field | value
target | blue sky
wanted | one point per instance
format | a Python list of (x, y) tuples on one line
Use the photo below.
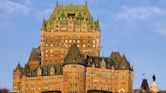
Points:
[(136, 28)]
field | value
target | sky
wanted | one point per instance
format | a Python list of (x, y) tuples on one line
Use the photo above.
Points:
[(136, 28)]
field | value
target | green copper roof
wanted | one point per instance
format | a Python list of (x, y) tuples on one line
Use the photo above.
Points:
[(69, 10), (77, 13)]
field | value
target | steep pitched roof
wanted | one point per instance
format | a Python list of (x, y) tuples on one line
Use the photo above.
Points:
[(35, 54), (145, 86), (115, 56), (81, 11), (19, 68), (78, 13), (124, 64), (74, 56)]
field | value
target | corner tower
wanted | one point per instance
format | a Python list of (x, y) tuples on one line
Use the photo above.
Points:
[(69, 24)]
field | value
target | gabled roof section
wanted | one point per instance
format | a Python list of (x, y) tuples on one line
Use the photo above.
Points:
[(74, 56), (35, 54)]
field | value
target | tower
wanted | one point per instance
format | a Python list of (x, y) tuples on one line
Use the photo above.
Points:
[(67, 25), (17, 76), (74, 71), (154, 85), (145, 87)]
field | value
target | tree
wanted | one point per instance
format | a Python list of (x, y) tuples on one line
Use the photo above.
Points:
[(4, 90)]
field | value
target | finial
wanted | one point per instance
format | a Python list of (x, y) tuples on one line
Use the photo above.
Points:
[(18, 66), (132, 67), (98, 20), (154, 78), (102, 51), (86, 2), (143, 75), (57, 2), (18, 63)]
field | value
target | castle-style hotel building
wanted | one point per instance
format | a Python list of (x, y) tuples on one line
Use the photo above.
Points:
[(68, 60)]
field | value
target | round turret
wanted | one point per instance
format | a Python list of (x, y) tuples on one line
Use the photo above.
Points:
[(74, 71)]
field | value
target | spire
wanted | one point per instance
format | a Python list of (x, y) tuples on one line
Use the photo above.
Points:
[(44, 24), (18, 65), (145, 86)]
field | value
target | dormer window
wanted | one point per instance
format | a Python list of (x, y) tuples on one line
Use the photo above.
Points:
[(93, 65), (103, 64), (112, 67), (74, 60), (71, 15), (39, 72), (89, 63), (52, 71)]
